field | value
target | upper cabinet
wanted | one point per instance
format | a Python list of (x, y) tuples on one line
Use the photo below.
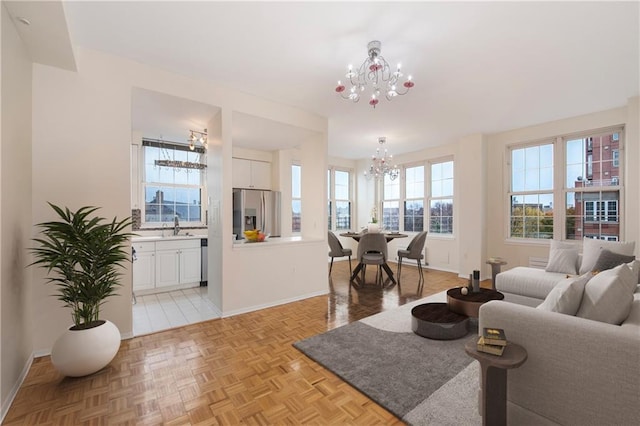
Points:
[(251, 174)]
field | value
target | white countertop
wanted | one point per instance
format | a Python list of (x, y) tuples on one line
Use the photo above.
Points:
[(152, 238), (273, 241)]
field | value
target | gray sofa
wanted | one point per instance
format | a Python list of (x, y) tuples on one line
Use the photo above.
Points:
[(578, 371)]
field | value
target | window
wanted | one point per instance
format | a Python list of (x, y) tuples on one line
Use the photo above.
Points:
[(339, 185), (441, 199), (296, 197), (590, 193), (171, 191), (391, 204), (531, 195), (592, 200), (414, 199)]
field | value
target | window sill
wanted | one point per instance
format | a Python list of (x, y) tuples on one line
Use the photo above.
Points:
[(432, 236), (528, 241)]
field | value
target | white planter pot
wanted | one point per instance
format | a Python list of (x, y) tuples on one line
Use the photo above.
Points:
[(82, 352), (373, 227)]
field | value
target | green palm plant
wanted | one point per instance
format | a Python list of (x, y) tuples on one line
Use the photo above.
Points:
[(86, 254)]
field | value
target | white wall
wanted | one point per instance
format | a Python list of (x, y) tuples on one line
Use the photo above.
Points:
[(15, 213), (518, 253), (82, 137)]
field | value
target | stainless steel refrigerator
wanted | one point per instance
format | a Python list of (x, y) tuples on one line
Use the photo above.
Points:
[(256, 209)]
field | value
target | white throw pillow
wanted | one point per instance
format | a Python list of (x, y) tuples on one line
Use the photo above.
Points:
[(591, 251), (566, 296), (563, 258), (608, 295)]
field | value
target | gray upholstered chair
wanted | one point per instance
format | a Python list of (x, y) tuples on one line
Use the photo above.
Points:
[(414, 251), (372, 250), (336, 250)]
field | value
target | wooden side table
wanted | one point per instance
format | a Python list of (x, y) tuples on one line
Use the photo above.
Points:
[(496, 266), (494, 379)]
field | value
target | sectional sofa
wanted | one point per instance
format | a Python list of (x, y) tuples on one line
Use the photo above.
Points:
[(582, 335)]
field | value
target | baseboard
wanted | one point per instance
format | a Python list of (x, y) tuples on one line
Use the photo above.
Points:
[(6, 404), (272, 304)]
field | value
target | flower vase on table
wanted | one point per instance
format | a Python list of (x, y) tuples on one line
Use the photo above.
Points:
[(373, 227)]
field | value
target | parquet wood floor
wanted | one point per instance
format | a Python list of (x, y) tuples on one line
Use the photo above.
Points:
[(237, 370)]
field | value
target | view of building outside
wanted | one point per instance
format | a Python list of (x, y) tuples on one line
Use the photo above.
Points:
[(296, 197), (593, 181)]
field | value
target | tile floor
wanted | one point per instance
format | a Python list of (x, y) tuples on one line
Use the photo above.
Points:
[(162, 311)]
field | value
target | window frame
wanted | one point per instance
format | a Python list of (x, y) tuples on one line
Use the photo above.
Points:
[(332, 200), (143, 183), (429, 197), (560, 190), (404, 199), (293, 199)]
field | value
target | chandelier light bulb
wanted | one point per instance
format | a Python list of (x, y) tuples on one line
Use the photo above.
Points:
[(192, 147), (376, 75)]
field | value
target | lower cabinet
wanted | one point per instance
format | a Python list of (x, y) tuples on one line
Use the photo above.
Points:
[(171, 265)]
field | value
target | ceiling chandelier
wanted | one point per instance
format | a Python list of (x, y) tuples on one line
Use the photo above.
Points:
[(381, 164), (374, 71), (197, 136)]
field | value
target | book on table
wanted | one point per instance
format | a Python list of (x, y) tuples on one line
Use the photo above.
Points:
[(494, 336), (482, 346)]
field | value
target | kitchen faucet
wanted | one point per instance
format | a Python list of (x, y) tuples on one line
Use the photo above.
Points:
[(176, 225)]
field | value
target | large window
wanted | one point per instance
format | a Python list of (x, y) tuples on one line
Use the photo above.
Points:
[(296, 197), (339, 195), (531, 195), (171, 191), (593, 186), (441, 199), (414, 199), (590, 188), (390, 204)]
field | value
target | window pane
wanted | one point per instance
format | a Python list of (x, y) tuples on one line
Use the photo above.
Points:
[(532, 168), (441, 216), (593, 215), (391, 215), (296, 213), (329, 215), (532, 216), (414, 182), (342, 185), (343, 215), (593, 161), (296, 181), (414, 215), (391, 188)]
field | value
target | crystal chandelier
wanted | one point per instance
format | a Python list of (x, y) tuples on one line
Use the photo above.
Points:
[(197, 136), (381, 164), (374, 71)]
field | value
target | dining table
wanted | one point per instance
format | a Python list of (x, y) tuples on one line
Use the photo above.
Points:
[(390, 235)]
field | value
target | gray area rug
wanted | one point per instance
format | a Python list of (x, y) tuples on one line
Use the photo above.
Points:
[(421, 381)]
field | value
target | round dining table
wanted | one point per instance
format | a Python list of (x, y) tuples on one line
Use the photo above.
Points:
[(388, 236)]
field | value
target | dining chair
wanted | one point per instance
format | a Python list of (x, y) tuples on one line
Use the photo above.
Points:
[(336, 250), (414, 251), (372, 250)]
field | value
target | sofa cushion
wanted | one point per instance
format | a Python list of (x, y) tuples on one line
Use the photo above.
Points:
[(591, 251), (609, 260), (608, 295), (530, 282), (563, 258), (566, 296)]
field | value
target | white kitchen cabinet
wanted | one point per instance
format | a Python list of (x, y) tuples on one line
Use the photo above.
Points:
[(177, 262), (144, 266), (166, 265), (251, 174)]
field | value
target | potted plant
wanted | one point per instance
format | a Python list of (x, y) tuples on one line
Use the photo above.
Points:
[(373, 225), (83, 255)]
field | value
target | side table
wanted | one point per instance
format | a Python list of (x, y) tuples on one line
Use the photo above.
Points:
[(496, 266), (494, 379)]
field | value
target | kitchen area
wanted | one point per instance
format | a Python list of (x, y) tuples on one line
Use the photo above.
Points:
[(192, 261)]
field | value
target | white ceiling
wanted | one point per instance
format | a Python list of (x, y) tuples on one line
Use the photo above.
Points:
[(478, 66)]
